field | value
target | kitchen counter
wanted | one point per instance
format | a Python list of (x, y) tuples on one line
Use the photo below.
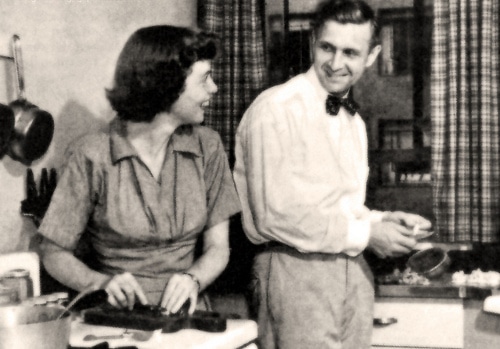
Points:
[(461, 260), (239, 334), (442, 288)]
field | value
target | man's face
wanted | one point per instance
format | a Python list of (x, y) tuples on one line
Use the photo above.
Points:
[(199, 87), (341, 55)]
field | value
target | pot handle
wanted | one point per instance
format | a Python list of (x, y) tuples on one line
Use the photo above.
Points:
[(18, 62), (384, 321)]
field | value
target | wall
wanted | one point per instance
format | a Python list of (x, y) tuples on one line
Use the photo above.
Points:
[(69, 50)]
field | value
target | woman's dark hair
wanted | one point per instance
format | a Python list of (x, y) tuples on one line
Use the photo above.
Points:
[(152, 69), (344, 12)]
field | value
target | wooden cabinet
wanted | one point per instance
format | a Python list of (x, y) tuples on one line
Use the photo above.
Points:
[(387, 192), (422, 323), (400, 160), (433, 323), (409, 198)]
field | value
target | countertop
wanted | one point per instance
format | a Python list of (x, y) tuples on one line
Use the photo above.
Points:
[(463, 258), (441, 288), (238, 334)]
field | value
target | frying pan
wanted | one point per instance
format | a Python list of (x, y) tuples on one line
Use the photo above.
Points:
[(431, 263), (33, 127)]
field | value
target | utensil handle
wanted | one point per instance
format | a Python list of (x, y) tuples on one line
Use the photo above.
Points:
[(18, 62), (91, 337), (384, 321), (87, 292)]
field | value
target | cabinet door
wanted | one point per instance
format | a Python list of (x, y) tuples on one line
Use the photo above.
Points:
[(422, 323)]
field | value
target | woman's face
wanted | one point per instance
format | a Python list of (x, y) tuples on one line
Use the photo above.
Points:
[(198, 89)]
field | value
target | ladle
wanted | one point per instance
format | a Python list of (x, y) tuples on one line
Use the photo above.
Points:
[(88, 298), (140, 336)]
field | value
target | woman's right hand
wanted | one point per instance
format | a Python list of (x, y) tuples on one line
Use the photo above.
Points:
[(123, 291)]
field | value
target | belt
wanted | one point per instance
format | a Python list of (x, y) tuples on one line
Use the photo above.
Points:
[(276, 246), (273, 246)]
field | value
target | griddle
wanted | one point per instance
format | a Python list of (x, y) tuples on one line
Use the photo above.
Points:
[(151, 318)]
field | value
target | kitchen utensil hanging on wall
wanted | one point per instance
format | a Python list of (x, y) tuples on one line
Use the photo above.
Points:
[(34, 127), (37, 200), (6, 128)]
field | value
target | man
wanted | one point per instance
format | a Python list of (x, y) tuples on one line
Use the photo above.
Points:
[(301, 175)]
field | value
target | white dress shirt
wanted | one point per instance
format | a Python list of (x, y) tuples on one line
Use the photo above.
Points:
[(301, 173)]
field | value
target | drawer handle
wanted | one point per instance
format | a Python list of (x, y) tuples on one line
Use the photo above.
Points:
[(384, 321)]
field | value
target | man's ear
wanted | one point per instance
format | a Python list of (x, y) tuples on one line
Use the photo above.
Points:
[(372, 56), (313, 39)]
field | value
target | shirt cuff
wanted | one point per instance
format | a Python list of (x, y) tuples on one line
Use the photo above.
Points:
[(358, 234), (376, 216)]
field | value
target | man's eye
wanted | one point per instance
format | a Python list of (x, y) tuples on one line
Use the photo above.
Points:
[(326, 47), (351, 53)]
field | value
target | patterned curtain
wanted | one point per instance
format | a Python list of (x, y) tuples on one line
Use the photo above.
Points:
[(465, 120), (240, 72)]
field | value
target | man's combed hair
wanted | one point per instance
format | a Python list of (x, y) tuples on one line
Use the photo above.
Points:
[(152, 69), (344, 12)]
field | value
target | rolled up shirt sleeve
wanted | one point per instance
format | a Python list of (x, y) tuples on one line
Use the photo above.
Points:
[(287, 194)]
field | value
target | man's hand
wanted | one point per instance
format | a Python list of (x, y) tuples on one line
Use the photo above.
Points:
[(123, 290), (179, 289), (389, 239), (408, 220)]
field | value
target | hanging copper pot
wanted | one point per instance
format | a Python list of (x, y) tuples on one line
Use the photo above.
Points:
[(34, 127)]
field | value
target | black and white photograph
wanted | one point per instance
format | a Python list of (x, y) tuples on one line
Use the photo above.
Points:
[(249, 174)]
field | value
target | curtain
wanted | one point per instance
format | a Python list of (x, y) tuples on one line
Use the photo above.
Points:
[(465, 120), (240, 72)]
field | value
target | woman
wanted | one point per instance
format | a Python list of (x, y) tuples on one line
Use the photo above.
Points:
[(147, 189)]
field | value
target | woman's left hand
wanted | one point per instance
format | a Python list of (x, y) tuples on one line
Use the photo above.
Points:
[(179, 289)]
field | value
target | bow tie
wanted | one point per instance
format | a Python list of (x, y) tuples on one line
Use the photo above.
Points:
[(333, 105)]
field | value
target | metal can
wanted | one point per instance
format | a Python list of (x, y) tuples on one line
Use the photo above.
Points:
[(8, 295), (20, 280)]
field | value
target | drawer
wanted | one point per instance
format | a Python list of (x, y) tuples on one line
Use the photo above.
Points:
[(422, 322)]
